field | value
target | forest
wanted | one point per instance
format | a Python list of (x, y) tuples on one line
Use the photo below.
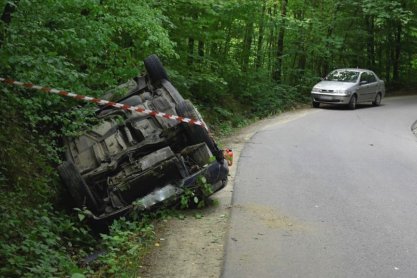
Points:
[(237, 60)]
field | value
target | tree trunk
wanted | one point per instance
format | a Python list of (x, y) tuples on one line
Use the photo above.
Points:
[(272, 11), (228, 39), (280, 43), (247, 43), (370, 26), (300, 56), (190, 59), (200, 50), (397, 55), (325, 62), (379, 51), (388, 60), (258, 61), (6, 17)]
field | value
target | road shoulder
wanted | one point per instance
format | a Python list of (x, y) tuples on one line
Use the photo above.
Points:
[(194, 246)]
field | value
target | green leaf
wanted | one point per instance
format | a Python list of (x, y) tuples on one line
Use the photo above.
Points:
[(77, 275), (203, 179), (81, 216)]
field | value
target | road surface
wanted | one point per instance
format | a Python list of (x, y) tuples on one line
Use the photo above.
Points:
[(332, 193)]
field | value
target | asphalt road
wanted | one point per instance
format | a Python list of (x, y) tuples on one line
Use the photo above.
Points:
[(332, 193)]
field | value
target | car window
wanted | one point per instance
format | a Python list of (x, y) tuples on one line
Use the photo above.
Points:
[(364, 77), (343, 76), (371, 77)]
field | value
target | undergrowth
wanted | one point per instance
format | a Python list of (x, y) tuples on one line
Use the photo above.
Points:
[(39, 236)]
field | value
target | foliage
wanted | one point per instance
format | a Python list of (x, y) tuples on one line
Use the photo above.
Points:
[(124, 247), (38, 242), (197, 196), (82, 46)]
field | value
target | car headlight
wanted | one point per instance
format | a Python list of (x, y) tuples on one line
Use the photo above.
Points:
[(342, 92), (315, 90)]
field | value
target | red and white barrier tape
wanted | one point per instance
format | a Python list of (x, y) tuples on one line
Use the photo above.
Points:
[(104, 102)]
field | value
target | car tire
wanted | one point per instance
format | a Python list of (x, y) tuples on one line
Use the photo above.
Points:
[(377, 100), (197, 134), (76, 186), (315, 104), (155, 69), (176, 96), (352, 103)]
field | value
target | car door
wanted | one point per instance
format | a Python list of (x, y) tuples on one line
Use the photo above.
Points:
[(363, 88), (373, 86)]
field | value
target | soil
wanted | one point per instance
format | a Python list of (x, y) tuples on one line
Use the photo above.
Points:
[(194, 246)]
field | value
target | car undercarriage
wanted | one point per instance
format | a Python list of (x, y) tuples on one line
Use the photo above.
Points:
[(135, 161)]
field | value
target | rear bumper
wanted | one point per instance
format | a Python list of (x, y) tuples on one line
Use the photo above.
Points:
[(330, 99)]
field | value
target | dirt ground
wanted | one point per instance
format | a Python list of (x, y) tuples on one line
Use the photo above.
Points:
[(194, 246)]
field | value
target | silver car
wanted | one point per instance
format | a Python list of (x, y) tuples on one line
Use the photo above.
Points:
[(349, 87)]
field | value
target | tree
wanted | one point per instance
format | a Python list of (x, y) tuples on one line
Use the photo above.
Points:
[(280, 42)]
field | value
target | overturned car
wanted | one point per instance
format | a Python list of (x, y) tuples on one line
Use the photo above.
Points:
[(135, 161)]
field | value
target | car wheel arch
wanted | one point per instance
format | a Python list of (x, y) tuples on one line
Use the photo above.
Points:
[(352, 104), (378, 99)]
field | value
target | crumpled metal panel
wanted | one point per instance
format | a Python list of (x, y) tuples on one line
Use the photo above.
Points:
[(158, 195), (141, 165)]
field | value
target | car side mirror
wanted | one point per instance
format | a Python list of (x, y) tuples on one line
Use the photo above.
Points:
[(363, 82)]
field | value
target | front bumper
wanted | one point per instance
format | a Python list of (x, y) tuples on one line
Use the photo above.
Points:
[(330, 99)]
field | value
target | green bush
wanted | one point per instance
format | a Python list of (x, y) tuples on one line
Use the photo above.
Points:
[(40, 242), (124, 246)]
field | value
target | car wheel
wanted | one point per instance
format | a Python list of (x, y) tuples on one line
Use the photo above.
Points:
[(155, 69), (315, 104), (176, 96), (352, 103), (76, 186), (377, 100), (197, 134)]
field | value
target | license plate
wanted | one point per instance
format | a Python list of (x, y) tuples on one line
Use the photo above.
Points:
[(326, 98)]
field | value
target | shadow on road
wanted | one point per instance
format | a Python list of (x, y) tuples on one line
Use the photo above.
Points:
[(346, 108)]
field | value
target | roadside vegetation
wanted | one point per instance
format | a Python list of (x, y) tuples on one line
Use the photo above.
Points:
[(237, 60)]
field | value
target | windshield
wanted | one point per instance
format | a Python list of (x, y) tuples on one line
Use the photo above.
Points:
[(343, 76)]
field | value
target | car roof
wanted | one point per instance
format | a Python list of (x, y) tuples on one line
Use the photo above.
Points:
[(354, 69)]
